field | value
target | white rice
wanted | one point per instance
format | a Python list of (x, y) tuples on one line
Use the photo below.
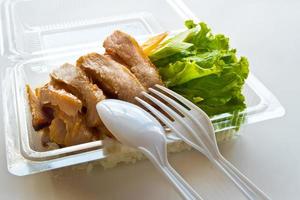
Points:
[(118, 153)]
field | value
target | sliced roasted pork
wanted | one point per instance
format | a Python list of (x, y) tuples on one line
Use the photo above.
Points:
[(69, 130), (123, 46), (67, 102), (40, 118), (57, 131), (78, 83), (114, 78), (78, 132)]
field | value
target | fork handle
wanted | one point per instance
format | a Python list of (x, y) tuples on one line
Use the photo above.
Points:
[(251, 191), (182, 187)]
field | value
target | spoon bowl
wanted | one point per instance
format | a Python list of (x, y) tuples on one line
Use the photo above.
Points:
[(130, 124)]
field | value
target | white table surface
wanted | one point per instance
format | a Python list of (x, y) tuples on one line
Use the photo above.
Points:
[(268, 33)]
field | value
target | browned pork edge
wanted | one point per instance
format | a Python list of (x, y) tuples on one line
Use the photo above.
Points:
[(40, 118), (66, 102), (79, 84), (114, 78), (122, 46)]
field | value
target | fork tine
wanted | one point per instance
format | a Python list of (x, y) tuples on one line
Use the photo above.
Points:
[(172, 102), (180, 98), (164, 107), (184, 110), (169, 123), (180, 107), (155, 112), (177, 118)]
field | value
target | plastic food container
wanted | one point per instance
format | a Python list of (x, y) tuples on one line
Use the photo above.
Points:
[(39, 35)]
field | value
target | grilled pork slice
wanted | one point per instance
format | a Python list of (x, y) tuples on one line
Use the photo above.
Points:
[(57, 131), (114, 78), (77, 132), (67, 102), (78, 83), (45, 138), (40, 118), (67, 131), (122, 45), (115, 58)]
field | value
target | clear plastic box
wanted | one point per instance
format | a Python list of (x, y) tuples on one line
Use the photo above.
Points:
[(39, 35)]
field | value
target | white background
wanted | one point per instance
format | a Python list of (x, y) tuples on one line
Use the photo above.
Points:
[(268, 33)]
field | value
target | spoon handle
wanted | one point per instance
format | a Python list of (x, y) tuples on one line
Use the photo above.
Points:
[(184, 189), (245, 185)]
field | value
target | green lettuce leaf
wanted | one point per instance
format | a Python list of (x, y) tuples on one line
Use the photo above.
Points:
[(203, 68)]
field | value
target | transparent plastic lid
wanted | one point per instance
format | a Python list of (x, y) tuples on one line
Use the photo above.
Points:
[(39, 35), (35, 26)]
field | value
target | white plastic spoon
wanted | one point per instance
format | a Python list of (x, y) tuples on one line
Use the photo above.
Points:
[(134, 127)]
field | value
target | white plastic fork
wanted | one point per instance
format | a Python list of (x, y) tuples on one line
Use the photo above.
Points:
[(195, 128)]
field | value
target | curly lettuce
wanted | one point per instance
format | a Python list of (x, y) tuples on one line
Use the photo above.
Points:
[(203, 68)]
